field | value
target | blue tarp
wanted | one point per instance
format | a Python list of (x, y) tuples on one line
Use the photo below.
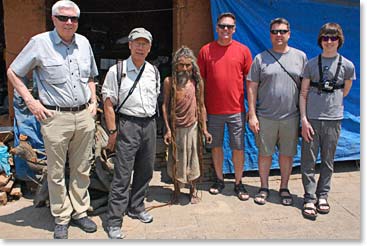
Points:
[(306, 18), (25, 123)]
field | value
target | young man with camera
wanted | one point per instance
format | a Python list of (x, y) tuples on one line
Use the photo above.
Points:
[(327, 79)]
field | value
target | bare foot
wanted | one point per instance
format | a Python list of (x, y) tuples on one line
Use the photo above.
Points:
[(176, 193), (194, 199)]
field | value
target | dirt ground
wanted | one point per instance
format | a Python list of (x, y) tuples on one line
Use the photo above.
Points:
[(216, 217)]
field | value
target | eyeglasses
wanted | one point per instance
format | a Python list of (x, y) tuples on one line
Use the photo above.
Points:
[(140, 44), (63, 18), (275, 32), (222, 26), (332, 38)]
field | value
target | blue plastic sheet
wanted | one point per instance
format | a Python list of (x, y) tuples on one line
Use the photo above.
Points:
[(4, 160), (25, 123), (306, 18)]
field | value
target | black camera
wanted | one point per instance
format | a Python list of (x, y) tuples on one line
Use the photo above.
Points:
[(328, 86)]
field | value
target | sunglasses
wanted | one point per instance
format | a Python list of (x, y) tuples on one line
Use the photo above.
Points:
[(278, 31), (332, 38), (222, 26), (63, 18)]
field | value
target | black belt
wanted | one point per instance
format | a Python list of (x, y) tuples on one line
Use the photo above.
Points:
[(67, 109), (134, 118)]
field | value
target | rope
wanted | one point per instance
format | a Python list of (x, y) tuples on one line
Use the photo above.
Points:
[(173, 134)]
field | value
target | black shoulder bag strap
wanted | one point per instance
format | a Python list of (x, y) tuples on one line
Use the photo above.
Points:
[(285, 70), (132, 88), (119, 75), (156, 89)]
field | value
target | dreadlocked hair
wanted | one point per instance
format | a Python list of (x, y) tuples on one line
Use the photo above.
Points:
[(199, 84)]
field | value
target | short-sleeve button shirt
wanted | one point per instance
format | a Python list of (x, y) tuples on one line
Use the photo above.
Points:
[(142, 102), (61, 71)]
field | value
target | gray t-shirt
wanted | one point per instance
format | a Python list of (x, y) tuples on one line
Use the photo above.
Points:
[(277, 96), (327, 106)]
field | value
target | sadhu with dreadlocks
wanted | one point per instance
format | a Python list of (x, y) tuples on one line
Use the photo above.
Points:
[(184, 115)]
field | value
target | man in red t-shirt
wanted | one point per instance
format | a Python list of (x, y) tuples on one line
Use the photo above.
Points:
[(224, 64)]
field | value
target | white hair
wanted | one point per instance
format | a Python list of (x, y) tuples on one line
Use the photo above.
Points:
[(64, 4)]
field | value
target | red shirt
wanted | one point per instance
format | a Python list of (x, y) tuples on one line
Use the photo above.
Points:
[(224, 70)]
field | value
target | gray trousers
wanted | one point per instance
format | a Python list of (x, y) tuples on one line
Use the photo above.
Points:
[(326, 137), (135, 151)]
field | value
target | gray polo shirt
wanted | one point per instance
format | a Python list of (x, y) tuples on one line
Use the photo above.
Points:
[(61, 71), (143, 101), (327, 106), (278, 94)]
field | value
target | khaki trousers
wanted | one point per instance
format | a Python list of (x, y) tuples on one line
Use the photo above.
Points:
[(68, 136)]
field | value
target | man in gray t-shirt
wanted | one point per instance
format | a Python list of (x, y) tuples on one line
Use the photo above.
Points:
[(273, 89)]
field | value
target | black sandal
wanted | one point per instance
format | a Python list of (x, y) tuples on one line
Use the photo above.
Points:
[(323, 203), (261, 196), (217, 187), (241, 191), (308, 215), (285, 198)]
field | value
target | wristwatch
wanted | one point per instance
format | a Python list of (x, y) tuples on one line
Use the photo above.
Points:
[(110, 132)]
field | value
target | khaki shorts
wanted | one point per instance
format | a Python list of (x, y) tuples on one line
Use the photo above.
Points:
[(280, 133)]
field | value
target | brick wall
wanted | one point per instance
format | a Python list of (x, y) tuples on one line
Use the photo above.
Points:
[(191, 24), (22, 20)]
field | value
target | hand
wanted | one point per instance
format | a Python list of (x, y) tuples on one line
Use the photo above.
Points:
[(92, 108), (254, 124), (111, 142), (208, 137), (307, 131), (38, 110), (167, 137)]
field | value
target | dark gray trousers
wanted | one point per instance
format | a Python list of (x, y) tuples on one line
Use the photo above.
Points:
[(326, 137), (135, 151)]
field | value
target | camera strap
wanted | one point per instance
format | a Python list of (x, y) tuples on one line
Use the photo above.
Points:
[(334, 80), (131, 89), (285, 70)]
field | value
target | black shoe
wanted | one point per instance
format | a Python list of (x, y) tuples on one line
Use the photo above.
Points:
[(61, 231), (142, 216), (85, 224)]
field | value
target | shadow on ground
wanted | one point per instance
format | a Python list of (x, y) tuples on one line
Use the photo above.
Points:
[(40, 218)]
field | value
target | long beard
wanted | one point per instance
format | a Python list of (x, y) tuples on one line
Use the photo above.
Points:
[(183, 77)]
